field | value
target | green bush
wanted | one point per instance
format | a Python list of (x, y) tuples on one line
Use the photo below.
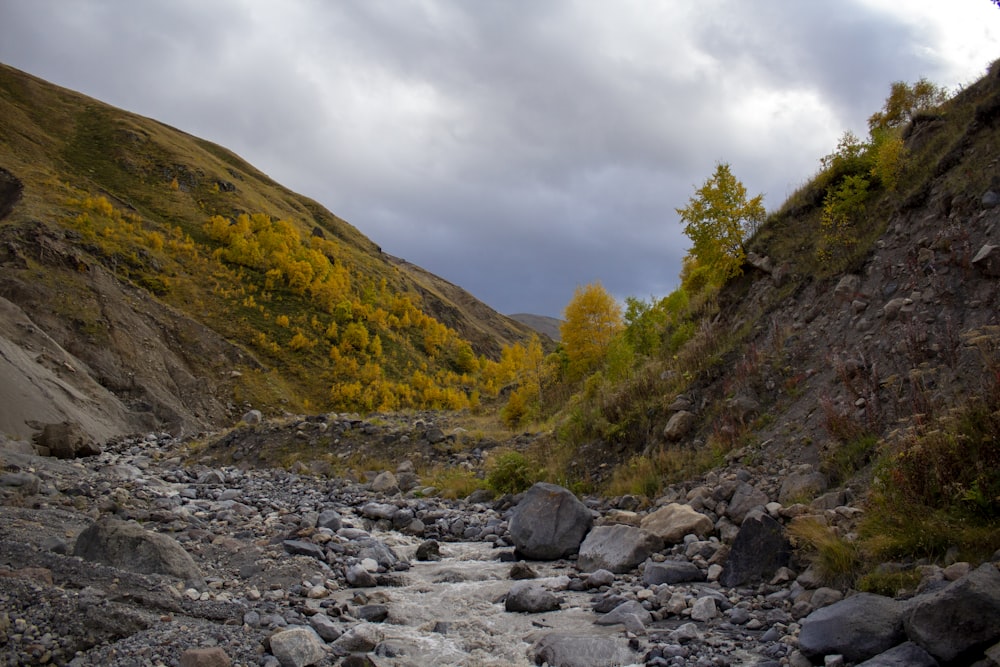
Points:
[(509, 472)]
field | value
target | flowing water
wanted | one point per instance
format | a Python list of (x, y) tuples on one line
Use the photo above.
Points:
[(451, 611)]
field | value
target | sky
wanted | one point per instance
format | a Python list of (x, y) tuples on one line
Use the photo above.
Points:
[(517, 148)]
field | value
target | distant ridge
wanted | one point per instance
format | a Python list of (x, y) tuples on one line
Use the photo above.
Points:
[(543, 324)]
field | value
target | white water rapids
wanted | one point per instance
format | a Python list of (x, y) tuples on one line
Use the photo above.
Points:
[(451, 611)]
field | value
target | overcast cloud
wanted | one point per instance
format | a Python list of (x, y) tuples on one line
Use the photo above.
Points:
[(518, 148)]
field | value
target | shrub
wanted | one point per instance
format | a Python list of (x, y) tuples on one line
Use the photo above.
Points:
[(835, 559), (509, 472)]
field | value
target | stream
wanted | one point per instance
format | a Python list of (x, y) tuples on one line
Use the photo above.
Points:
[(451, 611)]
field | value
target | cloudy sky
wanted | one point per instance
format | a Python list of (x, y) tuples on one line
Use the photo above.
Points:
[(518, 148)]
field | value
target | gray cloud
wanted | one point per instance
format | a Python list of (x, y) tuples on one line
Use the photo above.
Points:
[(516, 148)]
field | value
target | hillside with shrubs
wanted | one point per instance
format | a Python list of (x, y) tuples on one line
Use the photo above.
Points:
[(854, 330)]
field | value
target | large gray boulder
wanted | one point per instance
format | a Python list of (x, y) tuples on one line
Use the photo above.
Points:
[(128, 546), (906, 654), (759, 550), (745, 498), (672, 522), (617, 548), (549, 523), (859, 627), (531, 597), (297, 647), (671, 572), (560, 649), (958, 622)]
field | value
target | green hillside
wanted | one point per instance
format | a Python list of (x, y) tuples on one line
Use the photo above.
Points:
[(317, 316)]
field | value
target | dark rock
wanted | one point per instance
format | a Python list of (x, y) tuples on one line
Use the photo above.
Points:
[(325, 627), (358, 577), (627, 614), (671, 572), (859, 627), (330, 519), (559, 649), (906, 654), (549, 523), (303, 548), (745, 498), (373, 613), (679, 425), (434, 436), (530, 597), (759, 550), (606, 604), (617, 548), (428, 550), (521, 570), (961, 620), (128, 546)]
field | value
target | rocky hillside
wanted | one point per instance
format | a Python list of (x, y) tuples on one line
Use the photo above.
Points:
[(125, 310), (804, 354)]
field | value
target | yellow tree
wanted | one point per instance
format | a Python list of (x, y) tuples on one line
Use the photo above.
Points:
[(718, 219), (592, 320)]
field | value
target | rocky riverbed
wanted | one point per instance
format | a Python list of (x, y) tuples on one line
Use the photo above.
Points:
[(134, 557)]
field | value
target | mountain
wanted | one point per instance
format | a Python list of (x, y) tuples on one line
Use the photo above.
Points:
[(154, 280), (544, 325)]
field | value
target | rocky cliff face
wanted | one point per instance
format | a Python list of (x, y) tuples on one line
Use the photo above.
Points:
[(910, 328)]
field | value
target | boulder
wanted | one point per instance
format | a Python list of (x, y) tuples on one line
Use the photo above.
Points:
[(428, 550), (22, 484), (671, 572), (801, 487), (360, 638), (758, 552), (66, 440), (128, 546), (847, 288), (303, 548), (617, 548), (253, 417), (212, 656), (330, 519), (358, 577), (531, 597), (385, 482), (859, 627), (704, 609), (297, 647), (549, 523), (746, 497), (325, 627), (906, 654), (679, 425), (630, 613), (672, 522), (958, 622), (560, 649)]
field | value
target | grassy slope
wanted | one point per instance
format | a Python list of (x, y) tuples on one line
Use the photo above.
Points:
[(65, 147)]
